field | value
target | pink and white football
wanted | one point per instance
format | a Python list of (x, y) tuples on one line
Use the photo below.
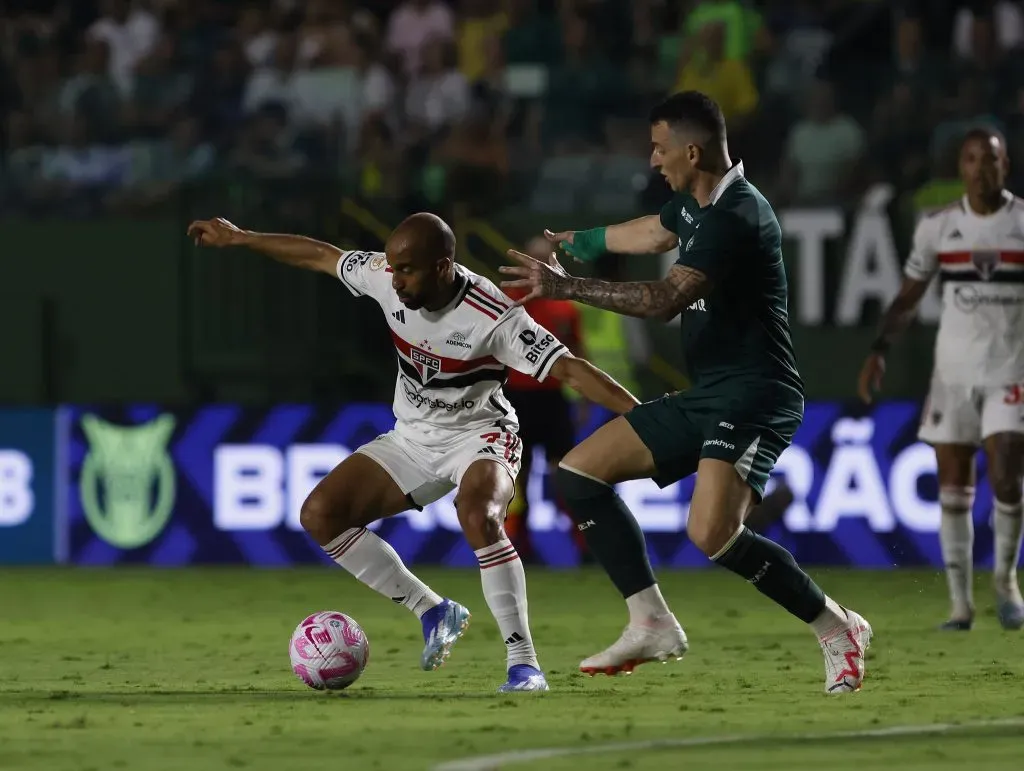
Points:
[(329, 650)]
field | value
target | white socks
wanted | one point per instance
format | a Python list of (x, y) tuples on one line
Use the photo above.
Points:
[(648, 608), (830, 620), (1006, 524), (956, 535), (372, 560), (504, 583)]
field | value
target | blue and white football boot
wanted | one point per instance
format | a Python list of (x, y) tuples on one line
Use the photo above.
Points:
[(443, 625), (523, 677)]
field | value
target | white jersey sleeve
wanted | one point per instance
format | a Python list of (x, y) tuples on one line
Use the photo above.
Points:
[(923, 262), (361, 272), (521, 343)]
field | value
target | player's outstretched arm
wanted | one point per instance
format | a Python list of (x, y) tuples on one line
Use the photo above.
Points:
[(896, 319), (298, 251), (644, 235), (593, 384), (664, 299)]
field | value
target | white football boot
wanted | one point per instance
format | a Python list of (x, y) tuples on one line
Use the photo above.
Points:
[(844, 654), (636, 646)]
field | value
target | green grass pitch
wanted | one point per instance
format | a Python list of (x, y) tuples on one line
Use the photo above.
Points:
[(188, 669)]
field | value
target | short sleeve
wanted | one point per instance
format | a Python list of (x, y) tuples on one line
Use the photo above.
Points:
[(521, 343), (355, 269), (923, 262), (715, 245), (668, 216)]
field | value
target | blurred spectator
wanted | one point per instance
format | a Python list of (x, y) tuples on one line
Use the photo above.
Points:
[(967, 107), (899, 137), (89, 90), (266, 149), (728, 81), (217, 98), (256, 35), (159, 93), (1006, 19), (413, 25), (378, 91), (481, 23), (130, 31), (438, 95), (474, 159), (272, 82), (823, 152), (531, 37), (379, 173)]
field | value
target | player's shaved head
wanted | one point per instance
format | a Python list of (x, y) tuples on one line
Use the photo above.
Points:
[(985, 135), (422, 238), (693, 115)]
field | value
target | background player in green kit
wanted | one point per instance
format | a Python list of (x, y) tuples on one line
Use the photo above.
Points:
[(745, 403)]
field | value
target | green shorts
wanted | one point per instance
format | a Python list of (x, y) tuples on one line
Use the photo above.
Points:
[(749, 430)]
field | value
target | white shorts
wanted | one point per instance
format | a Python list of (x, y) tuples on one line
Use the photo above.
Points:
[(966, 414), (426, 474)]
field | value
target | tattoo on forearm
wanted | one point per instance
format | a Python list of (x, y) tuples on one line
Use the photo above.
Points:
[(682, 287)]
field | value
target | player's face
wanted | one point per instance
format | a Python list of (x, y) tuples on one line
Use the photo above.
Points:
[(983, 166), (416, 282), (672, 157)]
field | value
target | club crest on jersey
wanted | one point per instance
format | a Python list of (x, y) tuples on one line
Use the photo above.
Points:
[(427, 364), (985, 263)]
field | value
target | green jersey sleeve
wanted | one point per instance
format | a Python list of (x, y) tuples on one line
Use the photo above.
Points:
[(716, 245), (668, 216)]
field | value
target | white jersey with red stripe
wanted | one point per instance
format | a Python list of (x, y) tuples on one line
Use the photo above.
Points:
[(980, 263), (453, 362)]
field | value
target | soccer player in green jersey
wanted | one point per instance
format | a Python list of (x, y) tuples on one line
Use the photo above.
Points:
[(745, 403)]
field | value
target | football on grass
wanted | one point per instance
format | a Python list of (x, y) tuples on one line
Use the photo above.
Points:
[(329, 651)]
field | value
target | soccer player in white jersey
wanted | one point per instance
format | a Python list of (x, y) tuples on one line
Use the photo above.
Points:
[(455, 336), (976, 246)]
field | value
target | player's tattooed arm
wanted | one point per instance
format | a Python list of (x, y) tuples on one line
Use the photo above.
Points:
[(663, 299), (900, 313)]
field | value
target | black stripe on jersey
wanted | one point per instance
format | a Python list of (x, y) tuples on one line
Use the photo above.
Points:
[(546, 359), (486, 301), (497, 405), (341, 274), (465, 380), (999, 277)]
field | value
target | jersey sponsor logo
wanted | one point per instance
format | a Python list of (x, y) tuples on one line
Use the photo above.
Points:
[(697, 305), (969, 298), (719, 443), (420, 400), (427, 364), (686, 216), (985, 262), (729, 426), (378, 262), (458, 340), (529, 337)]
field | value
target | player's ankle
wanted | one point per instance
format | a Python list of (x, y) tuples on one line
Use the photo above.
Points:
[(833, 618), (425, 603), (523, 660)]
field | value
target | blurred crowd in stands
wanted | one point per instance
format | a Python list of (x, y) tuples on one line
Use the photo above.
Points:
[(116, 105)]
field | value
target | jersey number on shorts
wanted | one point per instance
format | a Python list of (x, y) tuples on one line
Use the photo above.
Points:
[(1014, 394)]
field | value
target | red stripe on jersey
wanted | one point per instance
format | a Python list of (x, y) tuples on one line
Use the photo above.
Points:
[(953, 258), (475, 290), (486, 311), (388, 270), (447, 365)]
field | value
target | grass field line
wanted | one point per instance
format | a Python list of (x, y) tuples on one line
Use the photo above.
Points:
[(516, 757)]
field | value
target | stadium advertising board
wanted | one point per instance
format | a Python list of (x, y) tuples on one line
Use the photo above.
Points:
[(28, 502), (223, 484)]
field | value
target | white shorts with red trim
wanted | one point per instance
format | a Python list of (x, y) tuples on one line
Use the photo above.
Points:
[(968, 414), (426, 474)]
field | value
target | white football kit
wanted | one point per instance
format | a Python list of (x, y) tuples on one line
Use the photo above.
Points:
[(977, 387), (449, 407)]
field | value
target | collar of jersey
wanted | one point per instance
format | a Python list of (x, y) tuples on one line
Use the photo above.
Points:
[(733, 174), (966, 205)]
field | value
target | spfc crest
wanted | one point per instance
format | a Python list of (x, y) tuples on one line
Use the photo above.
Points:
[(985, 263), (427, 364)]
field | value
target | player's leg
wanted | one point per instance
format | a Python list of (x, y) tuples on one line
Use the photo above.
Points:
[(379, 480), (1004, 448), (956, 530), (734, 467), (516, 521), (485, 488), (951, 423), (558, 439), (612, 454)]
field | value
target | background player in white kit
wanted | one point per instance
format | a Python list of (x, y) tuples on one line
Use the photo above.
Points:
[(976, 246), (455, 335)]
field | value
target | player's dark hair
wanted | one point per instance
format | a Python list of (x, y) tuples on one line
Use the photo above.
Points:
[(691, 110), (982, 134)]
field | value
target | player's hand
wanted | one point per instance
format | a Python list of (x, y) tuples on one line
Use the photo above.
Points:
[(215, 232), (539, 279), (564, 241), (870, 380)]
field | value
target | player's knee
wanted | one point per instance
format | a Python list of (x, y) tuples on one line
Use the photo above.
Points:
[(1006, 487), (577, 487), (709, 534), (480, 518), (325, 519)]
